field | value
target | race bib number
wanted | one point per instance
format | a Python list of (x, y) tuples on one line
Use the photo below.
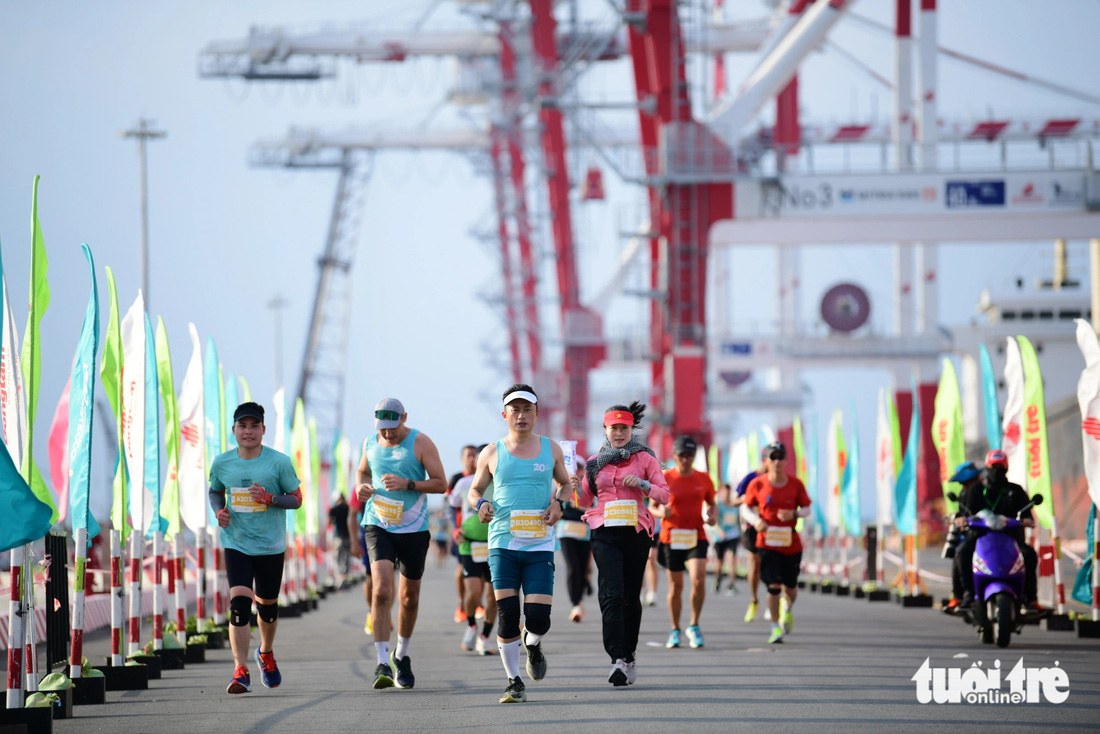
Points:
[(479, 552), (240, 500), (620, 513), (388, 511), (572, 529), (729, 519), (527, 524), (778, 537), (680, 539)]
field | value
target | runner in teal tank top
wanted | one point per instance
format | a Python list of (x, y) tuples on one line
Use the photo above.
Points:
[(523, 467), (398, 467)]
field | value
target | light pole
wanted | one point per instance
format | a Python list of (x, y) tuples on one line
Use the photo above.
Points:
[(277, 304), (144, 131)]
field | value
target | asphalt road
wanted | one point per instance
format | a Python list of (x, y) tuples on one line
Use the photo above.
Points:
[(848, 666)]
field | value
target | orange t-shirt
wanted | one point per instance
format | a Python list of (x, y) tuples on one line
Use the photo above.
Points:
[(769, 500), (685, 506)]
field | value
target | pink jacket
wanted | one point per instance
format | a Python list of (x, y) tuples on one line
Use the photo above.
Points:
[(609, 482)]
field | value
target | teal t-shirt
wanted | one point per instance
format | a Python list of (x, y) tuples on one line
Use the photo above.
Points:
[(521, 485), (254, 529), (729, 521)]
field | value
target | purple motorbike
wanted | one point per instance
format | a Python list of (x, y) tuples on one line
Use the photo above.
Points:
[(998, 577)]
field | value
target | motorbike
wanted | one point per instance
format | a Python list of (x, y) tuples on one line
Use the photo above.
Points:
[(999, 569)]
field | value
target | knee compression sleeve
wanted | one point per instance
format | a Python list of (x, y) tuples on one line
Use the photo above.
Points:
[(774, 590), (267, 612), (240, 611), (537, 617), (508, 617)]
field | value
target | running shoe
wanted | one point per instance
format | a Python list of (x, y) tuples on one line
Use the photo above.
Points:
[(777, 635), (460, 614), (631, 672), (750, 613), (786, 619), (717, 584), (269, 671), (576, 614), (469, 637), (383, 677), (767, 614), (368, 627), (241, 683), (480, 613), (516, 692), (536, 660), (618, 677), (695, 636), (673, 639), (650, 599), (404, 666), (952, 606), (483, 646)]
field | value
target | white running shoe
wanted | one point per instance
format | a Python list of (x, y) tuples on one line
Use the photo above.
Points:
[(468, 638), (650, 599), (483, 646), (631, 672), (576, 614), (618, 675)]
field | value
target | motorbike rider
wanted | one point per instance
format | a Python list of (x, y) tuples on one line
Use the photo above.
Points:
[(969, 476), (998, 495)]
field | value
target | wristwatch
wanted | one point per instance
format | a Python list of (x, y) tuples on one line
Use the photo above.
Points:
[(560, 503), (410, 486)]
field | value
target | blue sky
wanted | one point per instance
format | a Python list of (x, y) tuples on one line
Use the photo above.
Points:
[(226, 238)]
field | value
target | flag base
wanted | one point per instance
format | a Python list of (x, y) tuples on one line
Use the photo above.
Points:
[(195, 654), (844, 590), (878, 595), (90, 691), (1059, 623), (1088, 628), (916, 601), (125, 677), (172, 659), (150, 661), (63, 709), (36, 720)]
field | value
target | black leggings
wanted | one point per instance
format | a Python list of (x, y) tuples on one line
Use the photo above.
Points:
[(576, 554), (621, 554)]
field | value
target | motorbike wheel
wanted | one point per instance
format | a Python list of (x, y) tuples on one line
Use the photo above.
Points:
[(983, 618), (1004, 619)]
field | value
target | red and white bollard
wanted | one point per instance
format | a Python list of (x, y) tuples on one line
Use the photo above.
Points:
[(219, 580), (15, 631), (1056, 552), (116, 599), (159, 601), (137, 544), (200, 579), (80, 536), (179, 597), (30, 628), (1096, 569)]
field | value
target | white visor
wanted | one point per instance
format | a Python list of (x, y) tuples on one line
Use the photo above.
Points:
[(520, 395)]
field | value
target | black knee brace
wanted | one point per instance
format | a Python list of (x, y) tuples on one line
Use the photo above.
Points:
[(240, 611), (774, 590), (508, 617), (537, 617), (267, 612)]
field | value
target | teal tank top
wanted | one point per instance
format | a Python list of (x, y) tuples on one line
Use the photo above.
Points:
[(521, 484), (400, 511)]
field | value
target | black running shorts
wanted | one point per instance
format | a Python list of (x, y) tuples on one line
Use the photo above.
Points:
[(264, 574), (407, 549), (780, 568)]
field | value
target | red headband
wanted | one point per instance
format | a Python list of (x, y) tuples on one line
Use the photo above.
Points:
[(613, 417)]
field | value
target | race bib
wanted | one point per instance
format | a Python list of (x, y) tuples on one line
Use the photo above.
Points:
[(389, 511), (777, 537), (729, 519), (240, 500), (527, 524), (572, 529), (620, 513), (681, 539), (479, 552)]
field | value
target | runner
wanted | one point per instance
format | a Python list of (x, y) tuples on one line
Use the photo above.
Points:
[(651, 572), (456, 501), (262, 487), (729, 533), (683, 540), (406, 465), (359, 550), (624, 474), (773, 504), (575, 538), (750, 537), (523, 467), (473, 547), (338, 519)]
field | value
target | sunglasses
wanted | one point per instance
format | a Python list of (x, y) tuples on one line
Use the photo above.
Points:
[(387, 415), (776, 456)]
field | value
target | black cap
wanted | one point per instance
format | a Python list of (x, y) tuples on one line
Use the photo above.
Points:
[(776, 447), (684, 445), (249, 410)]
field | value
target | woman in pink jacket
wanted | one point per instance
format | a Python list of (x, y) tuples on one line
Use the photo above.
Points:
[(619, 481)]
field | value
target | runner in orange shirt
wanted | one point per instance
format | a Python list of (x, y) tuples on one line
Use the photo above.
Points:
[(683, 541), (773, 504)]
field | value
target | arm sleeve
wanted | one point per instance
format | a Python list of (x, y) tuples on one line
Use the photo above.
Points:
[(748, 515), (216, 493), (289, 501)]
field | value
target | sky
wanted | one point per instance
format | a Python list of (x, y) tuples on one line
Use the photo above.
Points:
[(226, 238)]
